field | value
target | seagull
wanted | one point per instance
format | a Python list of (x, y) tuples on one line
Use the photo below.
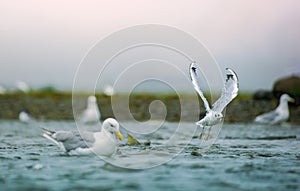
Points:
[(280, 114), (91, 114), (25, 117), (109, 90), (102, 143), (2, 90), (214, 115), (22, 86)]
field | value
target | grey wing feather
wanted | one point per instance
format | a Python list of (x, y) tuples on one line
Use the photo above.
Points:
[(194, 69), (48, 131), (230, 91), (269, 118), (72, 139)]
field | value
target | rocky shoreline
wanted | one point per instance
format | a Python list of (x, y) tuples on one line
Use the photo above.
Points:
[(58, 106)]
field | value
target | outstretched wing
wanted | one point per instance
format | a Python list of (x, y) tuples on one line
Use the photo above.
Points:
[(194, 69), (230, 91)]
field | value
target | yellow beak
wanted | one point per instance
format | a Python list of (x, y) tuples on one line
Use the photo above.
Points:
[(292, 100), (119, 135)]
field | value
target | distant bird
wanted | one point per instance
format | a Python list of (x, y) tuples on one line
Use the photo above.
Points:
[(22, 86), (279, 115), (109, 90), (91, 114), (102, 143), (214, 115), (25, 117), (2, 90)]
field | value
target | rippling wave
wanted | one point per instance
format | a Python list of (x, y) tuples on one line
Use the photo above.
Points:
[(245, 157)]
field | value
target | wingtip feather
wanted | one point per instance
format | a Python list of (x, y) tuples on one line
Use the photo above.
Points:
[(232, 72), (47, 131), (235, 77)]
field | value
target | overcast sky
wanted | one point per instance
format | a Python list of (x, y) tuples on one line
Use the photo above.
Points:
[(43, 42)]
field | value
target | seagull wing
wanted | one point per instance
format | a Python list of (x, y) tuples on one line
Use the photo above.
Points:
[(230, 91), (72, 139), (194, 69), (271, 117)]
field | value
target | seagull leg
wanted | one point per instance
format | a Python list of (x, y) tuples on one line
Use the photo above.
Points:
[(207, 136), (200, 135)]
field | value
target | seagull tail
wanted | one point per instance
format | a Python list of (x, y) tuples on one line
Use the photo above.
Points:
[(61, 146), (48, 134), (48, 131)]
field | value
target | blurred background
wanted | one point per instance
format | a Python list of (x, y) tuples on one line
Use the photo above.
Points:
[(43, 42)]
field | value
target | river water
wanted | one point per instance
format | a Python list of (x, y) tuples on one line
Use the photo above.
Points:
[(244, 157)]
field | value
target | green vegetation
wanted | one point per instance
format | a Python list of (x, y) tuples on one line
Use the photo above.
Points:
[(53, 105)]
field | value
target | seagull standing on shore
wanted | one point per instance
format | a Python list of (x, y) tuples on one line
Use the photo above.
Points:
[(91, 114), (2, 90), (279, 115), (214, 115), (22, 86), (109, 90), (102, 143)]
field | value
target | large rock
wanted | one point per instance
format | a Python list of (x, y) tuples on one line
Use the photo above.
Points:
[(263, 95), (290, 85)]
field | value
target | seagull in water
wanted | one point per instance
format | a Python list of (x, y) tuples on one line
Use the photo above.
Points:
[(91, 114), (280, 114), (214, 115), (25, 117), (102, 143)]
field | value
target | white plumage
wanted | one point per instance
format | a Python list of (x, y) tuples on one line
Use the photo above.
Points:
[(22, 86), (102, 143), (214, 116), (279, 115), (25, 117), (91, 114), (109, 90)]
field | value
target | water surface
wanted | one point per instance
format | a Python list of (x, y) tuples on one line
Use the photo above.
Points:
[(244, 157)]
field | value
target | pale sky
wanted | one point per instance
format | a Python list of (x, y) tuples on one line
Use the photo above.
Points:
[(43, 42)]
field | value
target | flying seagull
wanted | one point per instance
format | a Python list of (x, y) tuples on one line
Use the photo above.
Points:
[(280, 114), (230, 91), (102, 143)]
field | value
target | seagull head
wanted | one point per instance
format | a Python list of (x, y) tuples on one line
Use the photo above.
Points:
[(286, 98), (91, 99), (218, 116), (112, 126)]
